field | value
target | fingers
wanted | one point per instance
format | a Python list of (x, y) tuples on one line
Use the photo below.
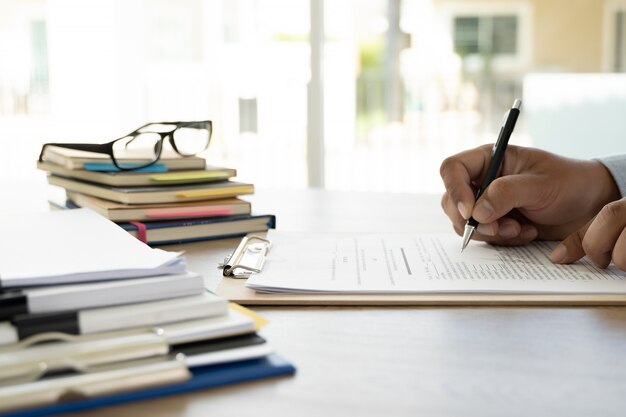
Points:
[(458, 172), (509, 192), (525, 233), (619, 251), (571, 248), (505, 231), (602, 239)]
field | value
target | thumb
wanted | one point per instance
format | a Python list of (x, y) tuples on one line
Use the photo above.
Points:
[(571, 248), (507, 193)]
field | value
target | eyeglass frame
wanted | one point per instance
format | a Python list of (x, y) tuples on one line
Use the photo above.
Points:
[(107, 148)]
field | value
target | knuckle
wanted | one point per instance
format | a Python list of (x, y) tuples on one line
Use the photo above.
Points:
[(446, 165), (497, 189), (444, 200), (453, 191), (615, 209)]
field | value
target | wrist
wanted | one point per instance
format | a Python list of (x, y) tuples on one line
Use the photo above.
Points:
[(603, 184)]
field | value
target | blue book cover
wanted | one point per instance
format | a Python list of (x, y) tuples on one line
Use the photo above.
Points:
[(197, 229), (192, 229), (202, 378)]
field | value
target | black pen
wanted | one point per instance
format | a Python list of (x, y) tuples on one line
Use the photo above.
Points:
[(497, 155)]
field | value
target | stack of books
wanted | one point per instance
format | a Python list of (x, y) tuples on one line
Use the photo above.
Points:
[(175, 200), (89, 316)]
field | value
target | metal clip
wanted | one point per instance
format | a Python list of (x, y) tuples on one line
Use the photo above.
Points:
[(250, 246)]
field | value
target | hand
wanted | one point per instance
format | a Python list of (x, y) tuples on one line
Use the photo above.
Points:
[(602, 240), (538, 195)]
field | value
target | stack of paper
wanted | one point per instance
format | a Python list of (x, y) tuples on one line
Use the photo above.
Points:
[(300, 263), (175, 200), (119, 319)]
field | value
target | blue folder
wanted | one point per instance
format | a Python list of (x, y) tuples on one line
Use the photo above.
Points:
[(202, 377)]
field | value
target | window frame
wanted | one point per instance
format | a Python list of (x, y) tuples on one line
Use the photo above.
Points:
[(501, 63), (609, 55)]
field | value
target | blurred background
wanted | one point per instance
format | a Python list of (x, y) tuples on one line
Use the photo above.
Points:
[(344, 94)]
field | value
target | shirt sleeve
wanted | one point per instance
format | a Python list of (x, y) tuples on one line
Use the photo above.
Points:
[(617, 167)]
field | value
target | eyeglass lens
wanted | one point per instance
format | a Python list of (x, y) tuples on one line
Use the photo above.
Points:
[(137, 151), (191, 140), (145, 147)]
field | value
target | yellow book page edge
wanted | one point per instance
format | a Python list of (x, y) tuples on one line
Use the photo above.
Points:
[(259, 322), (212, 192), (190, 175)]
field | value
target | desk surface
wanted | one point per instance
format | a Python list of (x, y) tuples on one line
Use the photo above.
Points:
[(411, 361)]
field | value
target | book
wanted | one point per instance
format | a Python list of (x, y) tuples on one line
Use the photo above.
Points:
[(136, 178), (106, 319), (156, 194), (237, 321), (99, 294), (75, 246), (74, 160), (189, 230), (148, 212)]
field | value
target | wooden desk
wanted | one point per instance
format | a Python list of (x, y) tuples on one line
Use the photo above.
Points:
[(411, 361)]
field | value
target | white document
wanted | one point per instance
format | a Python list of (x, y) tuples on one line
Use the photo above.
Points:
[(153, 313), (111, 293), (75, 246), (420, 263), (230, 355)]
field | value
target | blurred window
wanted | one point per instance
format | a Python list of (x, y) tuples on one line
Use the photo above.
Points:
[(620, 41), (485, 35)]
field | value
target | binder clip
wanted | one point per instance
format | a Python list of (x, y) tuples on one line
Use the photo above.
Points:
[(248, 258)]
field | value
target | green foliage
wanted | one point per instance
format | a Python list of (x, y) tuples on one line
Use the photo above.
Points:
[(371, 54)]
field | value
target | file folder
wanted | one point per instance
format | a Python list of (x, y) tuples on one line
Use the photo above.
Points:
[(201, 378)]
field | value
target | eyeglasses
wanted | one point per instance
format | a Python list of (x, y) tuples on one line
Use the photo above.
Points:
[(142, 147)]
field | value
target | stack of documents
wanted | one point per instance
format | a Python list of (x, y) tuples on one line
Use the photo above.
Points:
[(301, 263), (90, 316), (175, 200)]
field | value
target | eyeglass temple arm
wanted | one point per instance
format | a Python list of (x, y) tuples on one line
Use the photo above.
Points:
[(104, 148)]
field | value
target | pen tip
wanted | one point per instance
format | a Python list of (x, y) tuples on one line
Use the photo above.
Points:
[(467, 235)]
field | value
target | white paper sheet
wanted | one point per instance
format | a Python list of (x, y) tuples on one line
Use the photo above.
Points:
[(75, 246), (420, 263)]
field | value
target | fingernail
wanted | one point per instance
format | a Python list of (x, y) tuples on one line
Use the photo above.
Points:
[(558, 254), (463, 210), (483, 211), (507, 231), (486, 229)]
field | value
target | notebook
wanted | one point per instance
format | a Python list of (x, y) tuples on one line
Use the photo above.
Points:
[(74, 159), (191, 230), (136, 178), (156, 194), (98, 294), (148, 212)]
